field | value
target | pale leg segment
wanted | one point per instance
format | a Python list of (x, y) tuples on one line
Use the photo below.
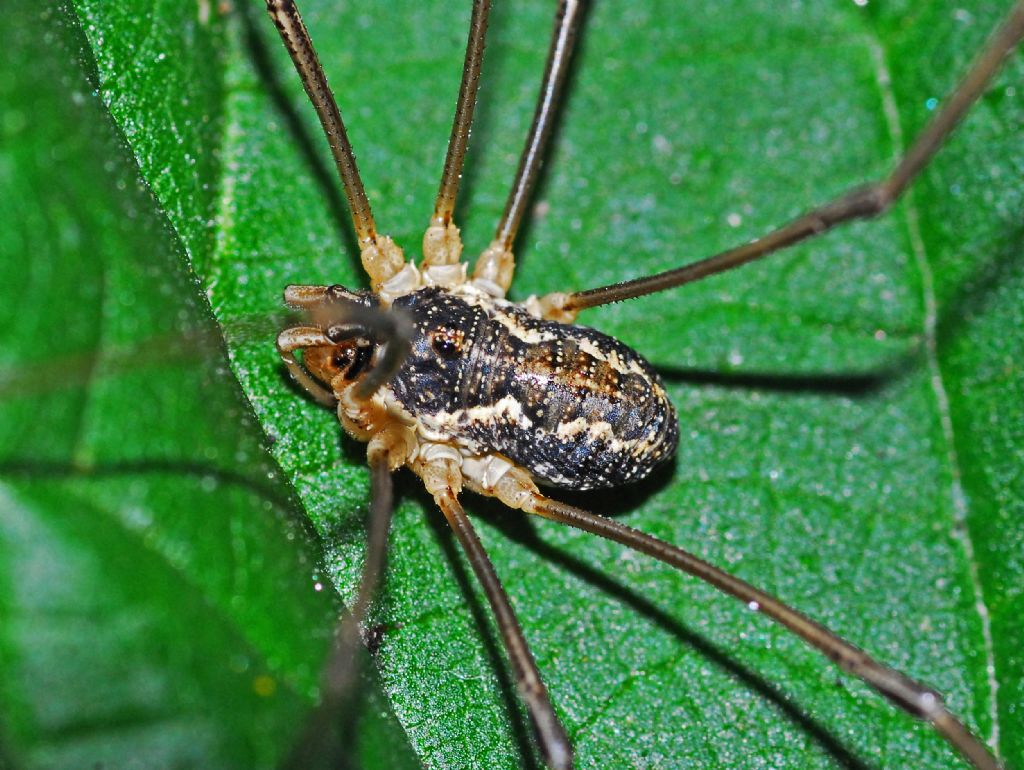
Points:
[(495, 268), (382, 260), (442, 245), (298, 338)]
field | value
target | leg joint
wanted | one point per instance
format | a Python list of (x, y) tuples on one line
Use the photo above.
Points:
[(864, 202)]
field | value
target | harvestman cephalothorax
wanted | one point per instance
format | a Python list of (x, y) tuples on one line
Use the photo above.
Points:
[(437, 372)]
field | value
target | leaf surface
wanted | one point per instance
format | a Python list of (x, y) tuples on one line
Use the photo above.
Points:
[(847, 409), (156, 601)]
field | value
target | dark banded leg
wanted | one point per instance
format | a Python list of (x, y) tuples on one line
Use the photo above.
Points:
[(554, 744), (912, 697), (296, 39), (380, 256), (860, 203), (458, 142), (497, 263), (442, 244), (329, 734), (443, 480)]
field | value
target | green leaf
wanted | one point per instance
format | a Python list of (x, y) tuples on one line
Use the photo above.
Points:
[(850, 410), (156, 601)]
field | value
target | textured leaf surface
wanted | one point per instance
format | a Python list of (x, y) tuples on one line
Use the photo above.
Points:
[(850, 411), (156, 606)]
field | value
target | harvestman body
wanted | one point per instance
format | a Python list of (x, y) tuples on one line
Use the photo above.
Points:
[(437, 372)]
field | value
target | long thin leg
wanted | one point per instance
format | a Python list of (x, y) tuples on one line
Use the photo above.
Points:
[(554, 743), (340, 675), (381, 258), (296, 39), (860, 203), (442, 244), (327, 737), (909, 695), (444, 205), (496, 263)]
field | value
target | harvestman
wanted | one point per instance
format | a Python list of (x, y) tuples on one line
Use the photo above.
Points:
[(385, 369)]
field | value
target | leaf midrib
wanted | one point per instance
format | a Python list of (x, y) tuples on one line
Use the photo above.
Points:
[(957, 504)]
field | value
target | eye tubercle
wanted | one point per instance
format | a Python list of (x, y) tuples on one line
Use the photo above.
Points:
[(447, 343)]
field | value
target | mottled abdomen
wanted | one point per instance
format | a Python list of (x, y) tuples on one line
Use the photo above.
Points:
[(575, 407)]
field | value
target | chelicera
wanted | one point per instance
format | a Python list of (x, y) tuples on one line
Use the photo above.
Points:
[(438, 372)]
